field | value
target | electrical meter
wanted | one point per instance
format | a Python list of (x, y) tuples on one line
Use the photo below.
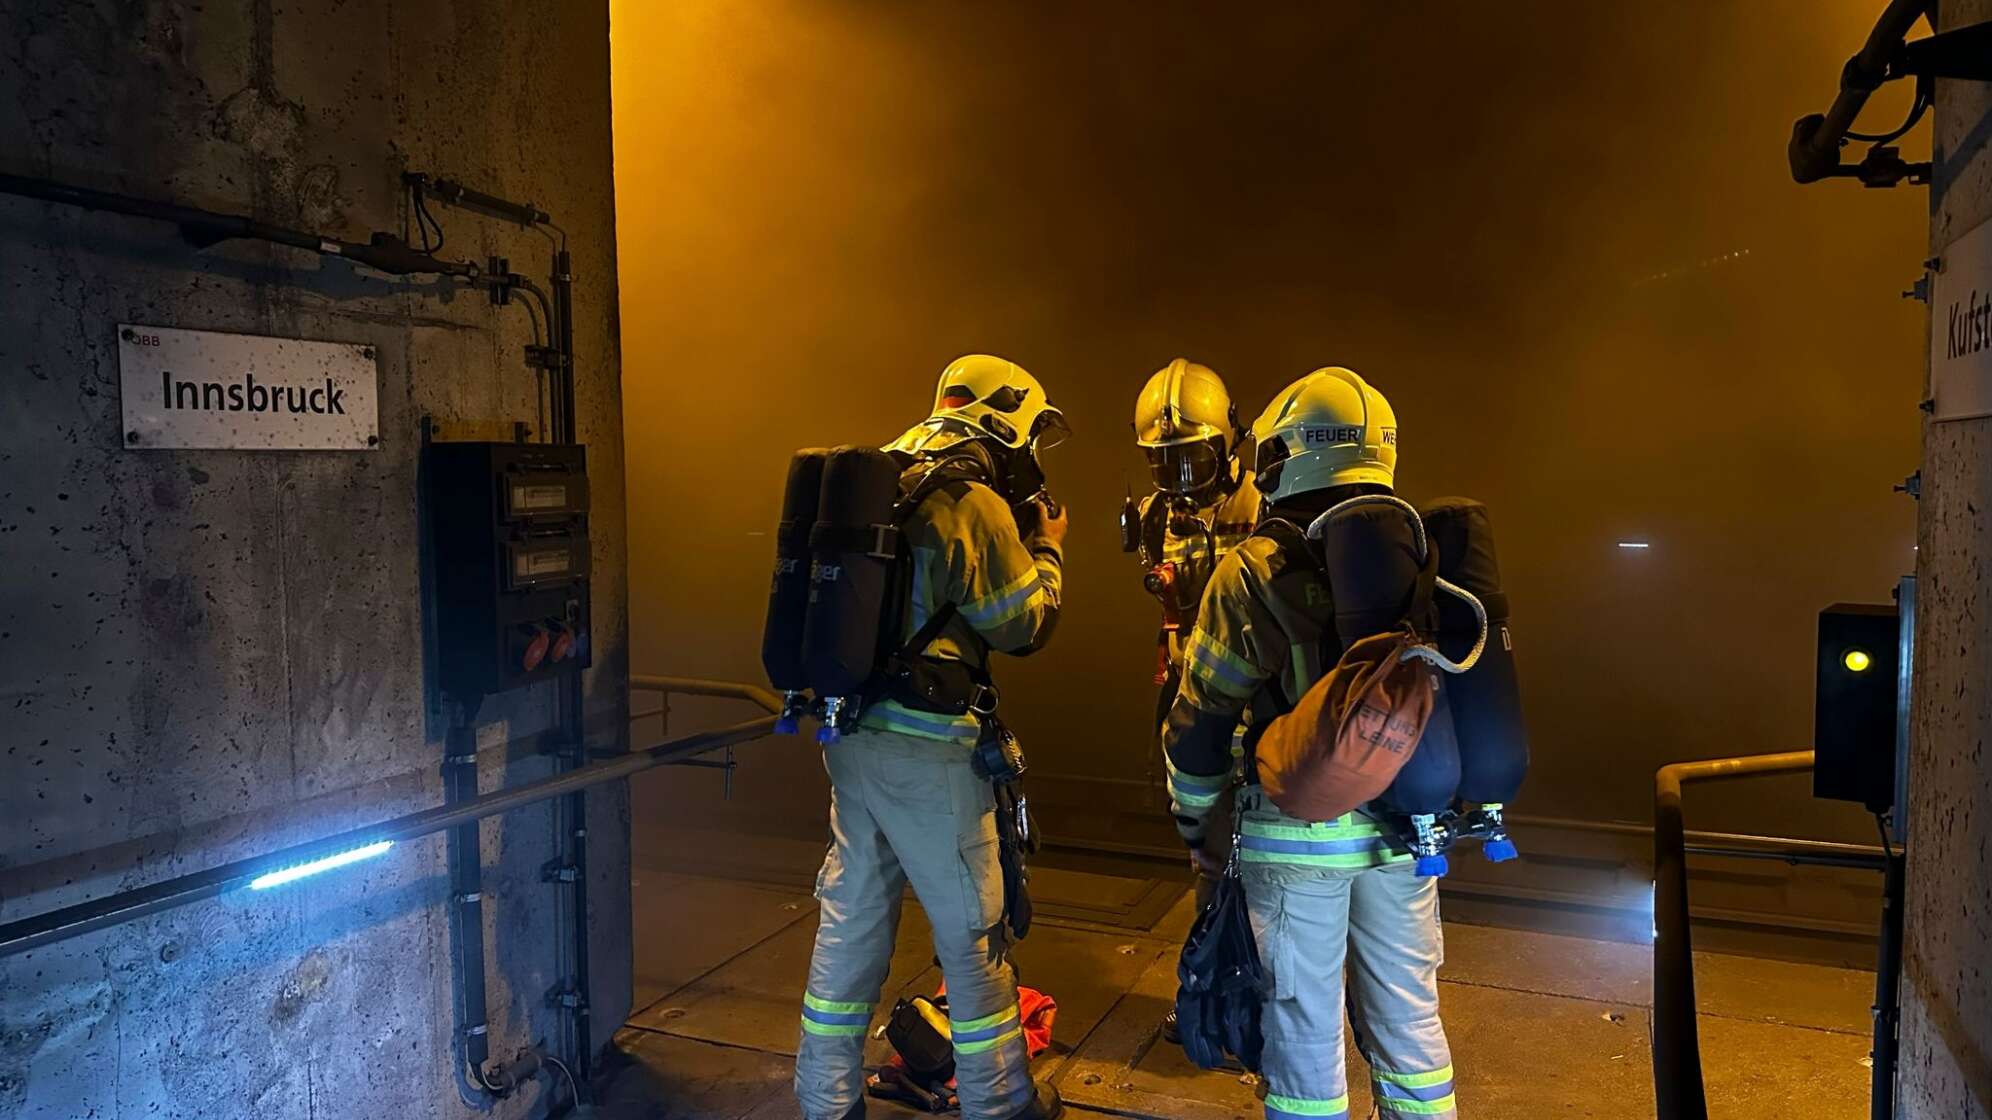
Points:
[(508, 529)]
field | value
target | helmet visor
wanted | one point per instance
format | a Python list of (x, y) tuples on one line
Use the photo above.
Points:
[(1049, 430), (1184, 468)]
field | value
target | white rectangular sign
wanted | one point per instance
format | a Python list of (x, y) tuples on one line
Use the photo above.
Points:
[(1961, 328), (210, 389)]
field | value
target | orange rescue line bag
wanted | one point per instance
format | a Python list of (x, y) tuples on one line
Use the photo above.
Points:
[(1344, 742)]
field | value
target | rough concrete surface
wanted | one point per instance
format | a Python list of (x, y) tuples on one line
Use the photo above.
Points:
[(207, 654), (1540, 1024), (1947, 959)]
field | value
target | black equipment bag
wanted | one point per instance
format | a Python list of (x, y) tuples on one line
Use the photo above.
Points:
[(1220, 980), (926, 1050)]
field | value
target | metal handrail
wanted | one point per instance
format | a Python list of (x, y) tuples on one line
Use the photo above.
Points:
[(699, 686), (39, 930), (1677, 1081)]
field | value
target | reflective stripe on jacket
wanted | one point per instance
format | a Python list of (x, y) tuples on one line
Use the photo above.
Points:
[(966, 551)]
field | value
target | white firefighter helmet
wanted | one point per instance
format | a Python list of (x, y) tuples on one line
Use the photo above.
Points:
[(1186, 425), (989, 398), (1330, 428)]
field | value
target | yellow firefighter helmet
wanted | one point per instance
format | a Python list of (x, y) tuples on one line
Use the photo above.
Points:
[(1186, 425), (1330, 428)]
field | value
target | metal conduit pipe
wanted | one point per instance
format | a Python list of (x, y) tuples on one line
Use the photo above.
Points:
[(1677, 1074), (47, 928)]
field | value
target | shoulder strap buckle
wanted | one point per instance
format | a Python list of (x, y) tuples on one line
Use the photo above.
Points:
[(982, 700), (885, 542)]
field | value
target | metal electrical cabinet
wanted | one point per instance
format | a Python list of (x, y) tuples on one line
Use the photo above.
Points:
[(509, 534), (1855, 704)]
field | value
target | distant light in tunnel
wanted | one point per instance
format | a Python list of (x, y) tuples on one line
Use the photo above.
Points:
[(1634, 544), (313, 867)]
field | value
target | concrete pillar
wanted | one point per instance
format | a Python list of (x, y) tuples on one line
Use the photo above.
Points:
[(208, 654), (1946, 1071)]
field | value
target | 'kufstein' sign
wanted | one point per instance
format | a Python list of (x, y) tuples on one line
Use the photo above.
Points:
[(1961, 328), (189, 389)]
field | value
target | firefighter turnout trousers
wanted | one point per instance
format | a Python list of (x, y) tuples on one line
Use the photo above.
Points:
[(909, 810), (1324, 896)]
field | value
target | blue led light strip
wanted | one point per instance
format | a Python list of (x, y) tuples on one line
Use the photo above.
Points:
[(338, 859)]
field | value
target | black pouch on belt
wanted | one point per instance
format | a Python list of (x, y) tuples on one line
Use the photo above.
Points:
[(933, 684), (999, 759)]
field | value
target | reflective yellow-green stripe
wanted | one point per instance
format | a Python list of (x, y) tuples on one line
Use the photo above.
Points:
[(1357, 860), (831, 1018), (888, 715), (1414, 1080), (828, 1031), (968, 1033), (1305, 1106), (1348, 826), (1411, 1094), (833, 1007), (989, 1043), (1195, 791), (965, 1026), (1439, 1107), (1004, 603), (1219, 668)]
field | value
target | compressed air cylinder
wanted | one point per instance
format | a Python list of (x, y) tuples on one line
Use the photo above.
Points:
[(788, 592), (1486, 699), (851, 549), (1371, 554), (1430, 778)]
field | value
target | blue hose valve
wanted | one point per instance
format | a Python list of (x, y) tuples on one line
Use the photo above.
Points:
[(787, 725), (1432, 867), (828, 734), (1500, 849)]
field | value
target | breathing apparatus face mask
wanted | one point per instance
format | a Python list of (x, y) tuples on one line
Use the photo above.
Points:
[(1016, 473), (1025, 468), (1185, 468)]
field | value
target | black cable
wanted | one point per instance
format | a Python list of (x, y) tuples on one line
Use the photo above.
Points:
[(422, 214), (424, 220), (1917, 107), (1881, 826), (534, 317), (415, 211)]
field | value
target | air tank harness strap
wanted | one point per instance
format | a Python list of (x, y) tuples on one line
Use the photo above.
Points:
[(881, 542), (1425, 652), (934, 684)]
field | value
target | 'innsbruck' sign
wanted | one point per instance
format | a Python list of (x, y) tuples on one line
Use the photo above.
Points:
[(1961, 328), (187, 389)]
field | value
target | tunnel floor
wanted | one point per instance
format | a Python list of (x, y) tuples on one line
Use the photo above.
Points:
[(1541, 1024)]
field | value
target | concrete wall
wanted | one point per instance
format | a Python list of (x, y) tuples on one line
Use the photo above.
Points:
[(207, 654), (1947, 966)]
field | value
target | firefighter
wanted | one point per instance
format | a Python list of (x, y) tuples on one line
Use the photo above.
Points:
[(906, 808), (1322, 894), (1203, 506)]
